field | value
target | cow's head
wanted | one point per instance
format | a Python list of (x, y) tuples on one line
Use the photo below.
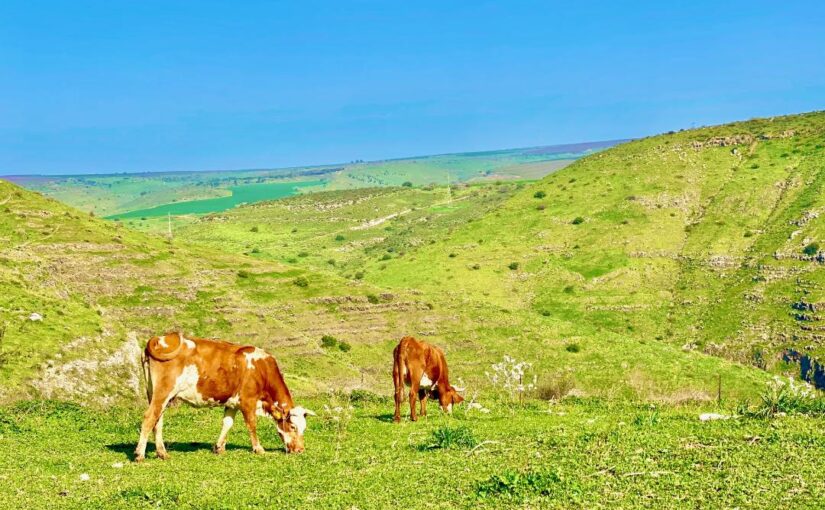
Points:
[(449, 397), (291, 426)]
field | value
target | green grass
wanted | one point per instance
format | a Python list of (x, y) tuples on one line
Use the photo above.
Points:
[(249, 193), (577, 454)]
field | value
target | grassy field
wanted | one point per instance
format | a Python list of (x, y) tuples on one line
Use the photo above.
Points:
[(639, 283), (587, 453), (149, 194)]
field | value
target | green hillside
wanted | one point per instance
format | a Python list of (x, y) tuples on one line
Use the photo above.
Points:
[(702, 240)]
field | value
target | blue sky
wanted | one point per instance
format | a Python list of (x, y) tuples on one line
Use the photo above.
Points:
[(178, 85)]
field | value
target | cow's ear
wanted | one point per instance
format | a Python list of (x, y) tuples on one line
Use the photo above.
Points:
[(277, 413), (307, 412)]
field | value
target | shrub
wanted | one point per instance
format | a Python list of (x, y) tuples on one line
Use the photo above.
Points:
[(475, 267), (811, 249), (328, 341), (344, 346), (578, 220), (340, 237), (513, 377), (243, 274), (372, 298), (569, 289), (331, 262), (574, 347), (545, 313), (453, 255), (407, 184), (256, 250), (555, 386), (446, 437), (513, 266), (539, 194), (386, 256), (254, 229), (788, 397), (367, 397), (303, 254), (359, 275), (518, 485), (301, 281)]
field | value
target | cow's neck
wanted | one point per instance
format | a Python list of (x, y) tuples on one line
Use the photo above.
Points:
[(279, 393)]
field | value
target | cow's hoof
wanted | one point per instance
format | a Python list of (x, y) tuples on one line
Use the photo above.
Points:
[(218, 450), (162, 455), (258, 449), (397, 419), (139, 458)]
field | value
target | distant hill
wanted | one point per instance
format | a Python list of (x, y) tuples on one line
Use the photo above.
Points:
[(140, 194)]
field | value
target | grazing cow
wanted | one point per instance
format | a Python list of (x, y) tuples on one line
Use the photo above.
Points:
[(213, 373), (423, 368)]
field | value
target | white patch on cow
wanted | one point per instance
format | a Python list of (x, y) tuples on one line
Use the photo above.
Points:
[(287, 438), (189, 343), (254, 355), (259, 409), (234, 402), (425, 381), (162, 341), (186, 387), (450, 408), (297, 417)]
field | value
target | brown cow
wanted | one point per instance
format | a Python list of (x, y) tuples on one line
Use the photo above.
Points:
[(214, 373), (423, 368)]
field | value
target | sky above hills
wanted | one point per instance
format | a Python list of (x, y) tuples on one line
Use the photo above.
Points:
[(97, 86)]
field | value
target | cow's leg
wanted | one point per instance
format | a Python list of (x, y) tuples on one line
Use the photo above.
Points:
[(150, 419), (424, 403), (252, 424), (415, 381), (228, 421), (398, 382), (160, 448)]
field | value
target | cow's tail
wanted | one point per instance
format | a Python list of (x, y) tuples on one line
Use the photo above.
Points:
[(147, 375), (398, 370), (165, 347)]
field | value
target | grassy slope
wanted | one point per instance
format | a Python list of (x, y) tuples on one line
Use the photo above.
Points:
[(689, 246), (578, 454), (107, 195), (97, 284)]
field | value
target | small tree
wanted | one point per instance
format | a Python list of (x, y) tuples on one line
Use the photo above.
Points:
[(407, 184), (539, 194), (811, 249)]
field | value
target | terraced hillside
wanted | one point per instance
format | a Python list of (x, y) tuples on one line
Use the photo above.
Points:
[(704, 240), (707, 239), (83, 294)]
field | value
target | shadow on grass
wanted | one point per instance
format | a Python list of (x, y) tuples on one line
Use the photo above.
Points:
[(128, 449), (385, 417)]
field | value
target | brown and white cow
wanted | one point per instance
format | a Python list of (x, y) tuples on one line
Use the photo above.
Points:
[(204, 372), (423, 368)]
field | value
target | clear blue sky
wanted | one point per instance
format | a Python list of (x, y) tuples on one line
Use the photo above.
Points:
[(113, 86)]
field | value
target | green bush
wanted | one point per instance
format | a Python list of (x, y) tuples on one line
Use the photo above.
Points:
[(256, 250), (254, 229), (344, 346), (328, 341), (513, 266), (359, 275), (578, 220), (372, 298), (811, 249), (303, 254), (407, 184), (446, 437), (569, 289), (539, 194), (340, 237), (301, 281), (519, 486), (331, 262), (243, 274), (574, 347)]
